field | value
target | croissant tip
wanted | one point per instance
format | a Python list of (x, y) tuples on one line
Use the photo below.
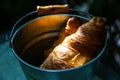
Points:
[(73, 22), (99, 21), (72, 19)]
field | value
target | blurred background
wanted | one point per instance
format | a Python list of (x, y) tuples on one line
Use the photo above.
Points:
[(12, 10)]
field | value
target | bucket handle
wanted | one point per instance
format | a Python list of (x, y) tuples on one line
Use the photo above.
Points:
[(52, 9), (42, 10)]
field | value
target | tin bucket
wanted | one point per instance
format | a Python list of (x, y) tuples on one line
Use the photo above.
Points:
[(33, 33)]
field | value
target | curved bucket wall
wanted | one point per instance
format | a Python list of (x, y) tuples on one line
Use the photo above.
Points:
[(32, 34)]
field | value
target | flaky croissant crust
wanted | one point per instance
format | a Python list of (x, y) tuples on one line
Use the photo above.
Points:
[(79, 47)]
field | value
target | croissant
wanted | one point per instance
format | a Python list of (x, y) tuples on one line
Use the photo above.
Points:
[(71, 27), (79, 47)]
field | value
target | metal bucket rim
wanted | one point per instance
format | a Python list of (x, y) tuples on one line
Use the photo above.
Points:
[(40, 69), (91, 61)]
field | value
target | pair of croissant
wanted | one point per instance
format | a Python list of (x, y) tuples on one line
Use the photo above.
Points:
[(78, 43)]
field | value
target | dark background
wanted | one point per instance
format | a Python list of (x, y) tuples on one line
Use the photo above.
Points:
[(12, 10)]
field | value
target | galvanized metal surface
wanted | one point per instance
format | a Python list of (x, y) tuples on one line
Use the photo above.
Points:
[(82, 73), (31, 39), (10, 68)]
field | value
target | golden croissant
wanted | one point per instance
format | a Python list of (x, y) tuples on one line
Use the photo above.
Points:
[(79, 47), (71, 27)]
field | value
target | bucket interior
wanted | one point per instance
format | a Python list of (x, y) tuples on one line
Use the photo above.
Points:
[(34, 37)]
